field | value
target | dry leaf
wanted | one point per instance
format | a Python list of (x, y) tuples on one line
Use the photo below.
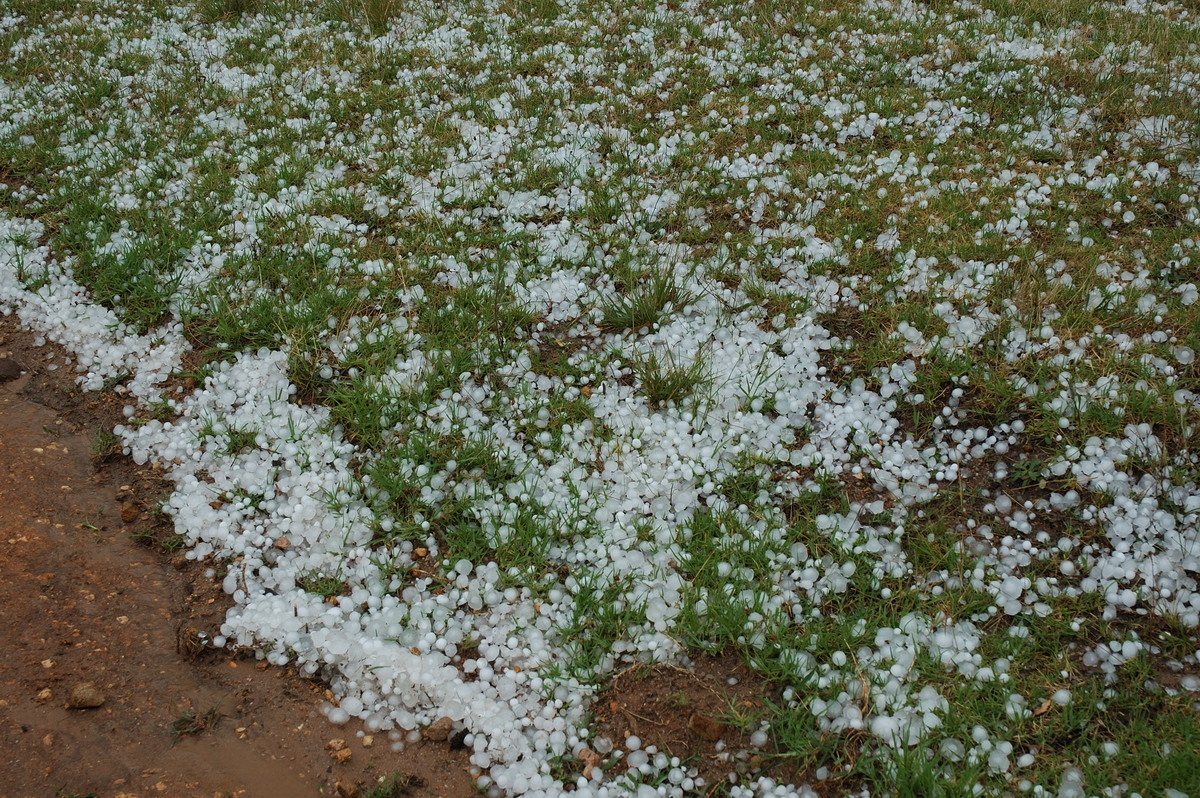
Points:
[(590, 760)]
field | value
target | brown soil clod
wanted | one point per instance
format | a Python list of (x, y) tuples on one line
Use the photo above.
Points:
[(439, 730), (85, 695), (708, 729), (346, 789), (130, 512), (9, 370)]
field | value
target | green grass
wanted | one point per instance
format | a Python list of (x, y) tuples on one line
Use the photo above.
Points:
[(667, 378), (106, 446), (226, 10), (394, 785), (375, 14), (326, 587), (647, 300)]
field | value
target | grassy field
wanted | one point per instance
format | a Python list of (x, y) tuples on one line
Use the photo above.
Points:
[(497, 346)]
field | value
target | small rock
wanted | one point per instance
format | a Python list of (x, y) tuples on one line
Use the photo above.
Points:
[(44, 694), (343, 756), (9, 370), (336, 744), (368, 740), (85, 695), (130, 512), (439, 730), (345, 789)]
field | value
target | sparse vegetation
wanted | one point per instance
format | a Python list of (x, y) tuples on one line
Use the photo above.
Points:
[(106, 446), (190, 723), (394, 785)]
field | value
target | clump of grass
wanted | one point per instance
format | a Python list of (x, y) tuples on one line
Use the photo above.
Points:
[(157, 535), (323, 586), (238, 439), (190, 723), (645, 305), (106, 447), (215, 10), (171, 543), (143, 536), (395, 785), (665, 379), (378, 14)]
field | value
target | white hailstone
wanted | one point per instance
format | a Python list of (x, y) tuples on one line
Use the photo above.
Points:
[(952, 750), (997, 760), (1071, 784), (337, 715)]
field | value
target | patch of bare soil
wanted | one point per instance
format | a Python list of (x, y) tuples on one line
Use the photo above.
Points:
[(702, 714), (106, 685)]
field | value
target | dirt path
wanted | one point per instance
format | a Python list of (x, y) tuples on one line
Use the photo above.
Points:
[(83, 602)]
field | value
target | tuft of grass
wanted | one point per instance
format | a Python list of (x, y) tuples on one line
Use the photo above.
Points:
[(238, 440), (171, 543), (377, 14), (395, 785), (324, 586), (645, 304), (144, 537), (105, 448), (225, 10), (190, 723), (664, 379)]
